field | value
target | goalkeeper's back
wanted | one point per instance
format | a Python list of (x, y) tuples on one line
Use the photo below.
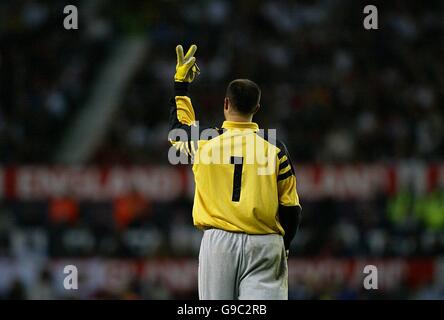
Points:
[(242, 176), (248, 177)]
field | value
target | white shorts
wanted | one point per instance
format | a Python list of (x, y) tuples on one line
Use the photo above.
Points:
[(240, 266)]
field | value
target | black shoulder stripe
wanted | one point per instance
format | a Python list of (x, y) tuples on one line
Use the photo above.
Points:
[(181, 88), (283, 165), (285, 152), (285, 175), (279, 144)]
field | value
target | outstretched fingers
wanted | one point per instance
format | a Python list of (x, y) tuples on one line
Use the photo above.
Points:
[(191, 52), (179, 53)]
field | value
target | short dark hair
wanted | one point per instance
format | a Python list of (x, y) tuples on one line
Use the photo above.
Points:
[(244, 95)]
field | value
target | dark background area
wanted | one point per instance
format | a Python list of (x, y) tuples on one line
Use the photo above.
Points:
[(338, 95)]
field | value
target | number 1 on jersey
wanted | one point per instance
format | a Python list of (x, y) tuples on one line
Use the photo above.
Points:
[(237, 177)]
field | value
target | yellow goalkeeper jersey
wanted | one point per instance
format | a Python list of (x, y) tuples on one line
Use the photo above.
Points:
[(241, 175)]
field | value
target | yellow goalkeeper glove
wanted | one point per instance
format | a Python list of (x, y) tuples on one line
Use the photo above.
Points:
[(186, 67)]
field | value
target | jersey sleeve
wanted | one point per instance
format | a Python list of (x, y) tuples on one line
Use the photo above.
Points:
[(182, 118), (185, 133), (286, 179)]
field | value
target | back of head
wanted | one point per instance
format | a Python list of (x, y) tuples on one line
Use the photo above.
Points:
[(244, 96)]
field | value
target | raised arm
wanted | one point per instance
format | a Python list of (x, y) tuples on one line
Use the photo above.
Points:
[(182, 115), (182, 112)]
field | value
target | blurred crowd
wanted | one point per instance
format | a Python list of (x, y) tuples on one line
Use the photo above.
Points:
[(334, 91), (46, 73)]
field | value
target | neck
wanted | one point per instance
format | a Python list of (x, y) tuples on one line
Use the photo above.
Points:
[(239, 118)]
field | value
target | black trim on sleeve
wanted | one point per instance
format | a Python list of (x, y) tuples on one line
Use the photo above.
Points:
[(181, 88), (284, 149), (283, 165), (290, 219), (285, 175)]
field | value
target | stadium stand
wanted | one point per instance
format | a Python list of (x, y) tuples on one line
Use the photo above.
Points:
[(359, 102)]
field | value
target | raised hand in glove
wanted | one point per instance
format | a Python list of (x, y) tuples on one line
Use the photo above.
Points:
[(186, 67)]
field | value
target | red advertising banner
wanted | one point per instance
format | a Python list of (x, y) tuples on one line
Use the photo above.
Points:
[(31, 183), (164, 183)]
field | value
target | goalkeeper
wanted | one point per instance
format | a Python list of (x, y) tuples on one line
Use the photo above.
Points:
[(249, 219)]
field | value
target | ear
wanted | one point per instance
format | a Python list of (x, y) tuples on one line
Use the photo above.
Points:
[(256, 109), (226, 103)]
